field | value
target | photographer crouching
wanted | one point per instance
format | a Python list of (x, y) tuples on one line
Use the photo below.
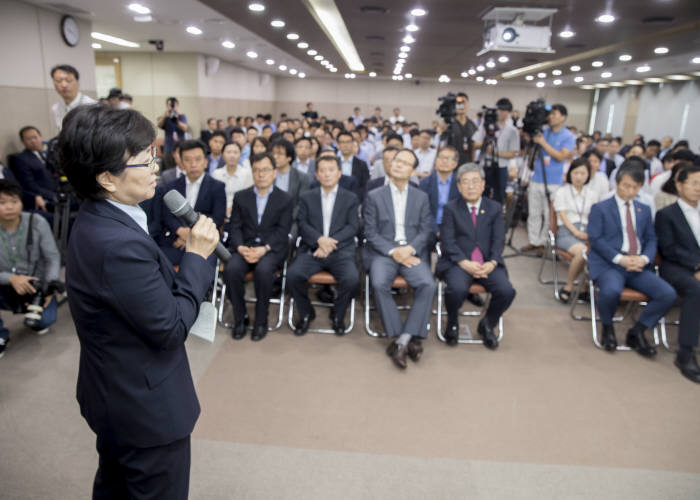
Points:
[(554, 148), (498, 141), (29, 264)]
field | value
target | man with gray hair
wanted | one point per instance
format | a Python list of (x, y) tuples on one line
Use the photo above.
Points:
[(473, 236)]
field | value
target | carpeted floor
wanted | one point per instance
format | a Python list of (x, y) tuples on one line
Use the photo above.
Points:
[(547, 415)]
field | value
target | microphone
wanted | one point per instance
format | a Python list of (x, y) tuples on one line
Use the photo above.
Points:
[(179, 207)]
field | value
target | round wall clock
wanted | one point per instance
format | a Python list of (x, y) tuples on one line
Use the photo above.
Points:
[(70, 31)]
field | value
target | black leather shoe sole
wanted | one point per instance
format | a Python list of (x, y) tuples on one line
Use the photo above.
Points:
[(690, 374), (641, 347), (258, 333), (487, 335)]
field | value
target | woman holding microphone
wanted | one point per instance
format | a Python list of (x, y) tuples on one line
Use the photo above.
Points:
[(132, 312)]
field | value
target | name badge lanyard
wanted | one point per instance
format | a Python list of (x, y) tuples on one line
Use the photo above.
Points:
[(583, 205), (13, 253)]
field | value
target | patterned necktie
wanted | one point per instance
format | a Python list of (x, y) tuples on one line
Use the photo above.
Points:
[(631, 234), (477, 256)]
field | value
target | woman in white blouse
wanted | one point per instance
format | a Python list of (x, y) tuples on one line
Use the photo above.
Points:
[(233, 175), (572, 203)]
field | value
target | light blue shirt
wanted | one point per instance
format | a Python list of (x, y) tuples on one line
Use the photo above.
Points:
[(245, 154), (282, 181), (443, 196), (346, 165), (261, 202), (564, 138), (135, 212)]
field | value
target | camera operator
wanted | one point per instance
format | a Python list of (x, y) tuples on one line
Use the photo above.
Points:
[(462, 130), (557, 145), (29, 260), (175, 125), (507, 146)]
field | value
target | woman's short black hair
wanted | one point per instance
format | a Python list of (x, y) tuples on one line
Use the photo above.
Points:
[(262, 141), (634, 168), (95, 139), (578, 162), (10, 188)]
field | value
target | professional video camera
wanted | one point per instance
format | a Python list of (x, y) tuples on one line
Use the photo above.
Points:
[(490, 120), (448, 107), (535, 117)]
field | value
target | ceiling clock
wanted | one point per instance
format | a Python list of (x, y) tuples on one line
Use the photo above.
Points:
[(70, 31)]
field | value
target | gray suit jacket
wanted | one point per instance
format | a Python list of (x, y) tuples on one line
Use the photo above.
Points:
[(312, 169), (168, 176), (380, 227), (298, 183)]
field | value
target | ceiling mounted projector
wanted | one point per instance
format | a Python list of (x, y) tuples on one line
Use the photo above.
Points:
[(518, 30)]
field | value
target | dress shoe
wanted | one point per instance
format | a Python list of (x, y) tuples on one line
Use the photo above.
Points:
[(609, 340), (637, 341), (688, 366), (486, 333), (338, 325), (240, 328), (259, 332), (452, 334), (303, 323), (476, 299), (415, 348), (398, 354), (325, 294)]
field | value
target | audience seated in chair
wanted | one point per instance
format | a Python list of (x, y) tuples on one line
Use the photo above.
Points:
[(34, 173), (351, 164), (234, 176), (215, 159)]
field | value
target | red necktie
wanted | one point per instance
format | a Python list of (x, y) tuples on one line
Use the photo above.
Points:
[(631, 234), (477, 256)]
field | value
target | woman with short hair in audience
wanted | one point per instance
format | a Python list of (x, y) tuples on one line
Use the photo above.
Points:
[(669, 194), (599, 181), (259, 145), (572, 203), (315, 147), (235, 177)]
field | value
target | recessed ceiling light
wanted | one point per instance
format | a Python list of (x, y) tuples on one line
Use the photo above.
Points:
[(606, 74), (556, 72), (529, 77), (372, 74), (575, 68), (228, 44), (557, 82), (566, 33), (418, 12), (541, 75), (472, 71), (399, 77), (444, 79), (269, 62), (403, 55), (643, 69), (625, 57), (325, 63), (480, 68), (139, 9), (679, 77), (587, 87), (333, 70), (695, 60), (96, 45), (293, 71), (464, 74), (193, 30), (143, 19), (292, 36), (503, 59), (408, 75), (302, 75), (597, 64), (601, 86), (282, 67), (578, 79), (408, 39), (490, 64), (634, 82), (116, 60), (405, 48), (654, 80), (311, 52), (256, 7), (617, 84), (411, 28), (318, 57), (303, 45), (277, 23), (479, 78), (113, 39), (661, 50), (605, 18), (540, 84), (252, 54)]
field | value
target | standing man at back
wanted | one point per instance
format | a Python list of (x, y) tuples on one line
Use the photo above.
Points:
[(66, 81)]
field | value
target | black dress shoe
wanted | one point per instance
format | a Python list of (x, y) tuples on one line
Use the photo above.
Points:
[(398, 354), (452, 334), (476, 299), (303, 323), (338, 325), (688, 366), (239, 329), (259, 332), (415, 348), (609, 340), (637, 341), (325, 294), (486, 333)]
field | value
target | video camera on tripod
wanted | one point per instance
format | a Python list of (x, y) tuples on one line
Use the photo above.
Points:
[(536, 117), (448, 107), (490, 120)]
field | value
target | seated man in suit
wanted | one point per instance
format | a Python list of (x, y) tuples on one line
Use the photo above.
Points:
[(215, 157), (346, 181), (351, 164), (678, 229), (304, 163), (473, 236), (35, 175), (387, 157), (169, 175), (398, 228), (258, 239), (288, 179), (623, 244), (328, 222), (205, 194), (441, 184)]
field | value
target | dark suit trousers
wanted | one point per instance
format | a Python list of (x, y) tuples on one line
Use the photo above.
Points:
[(263, 279), (129, 473), (341, 265), (611, 283), (688, 288), (497, 284), (497, 179)]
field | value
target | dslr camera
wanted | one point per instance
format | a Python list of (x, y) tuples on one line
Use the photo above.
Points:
[(536, 117), (34, 309)]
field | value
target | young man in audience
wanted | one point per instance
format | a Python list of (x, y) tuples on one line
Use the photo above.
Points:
[(214, 158), (328, 223), (425, 153), (234, 176), (66, 81), (288, 179), (651, 153), (350, 164), (678, 229), (28, 254), (206, 133), (35, 174), (623, 245), (303, 162), (387, 157), (389, 139), (400, 245), (441, 185), (176, 171), (665, 148), (205, 194), (599, 180), (261, 219), (472, 237)]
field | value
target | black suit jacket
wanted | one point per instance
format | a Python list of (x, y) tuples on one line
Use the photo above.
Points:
[(360, 171), (132, 314), (35, 177), (459, 237), (345, 182), (429, 186), (274, 226), (677, 243), (211, 201), (153, 207), (345, 220)]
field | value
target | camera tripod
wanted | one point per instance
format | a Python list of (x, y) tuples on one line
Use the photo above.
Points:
[(61, 217)]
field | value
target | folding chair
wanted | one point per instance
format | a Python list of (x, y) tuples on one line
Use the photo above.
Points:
[(399, 284), (322, 278), (553, 252)]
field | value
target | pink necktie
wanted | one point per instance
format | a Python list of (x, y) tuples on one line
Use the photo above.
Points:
[(631, 234), (477, 256)]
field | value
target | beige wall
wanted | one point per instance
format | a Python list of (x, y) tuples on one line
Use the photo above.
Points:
[(32, 45)]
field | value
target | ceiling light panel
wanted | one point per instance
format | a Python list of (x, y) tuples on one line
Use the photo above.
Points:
[(329, 18)]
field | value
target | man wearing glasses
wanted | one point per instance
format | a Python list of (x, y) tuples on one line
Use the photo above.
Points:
[(349, 163), (261, 219)]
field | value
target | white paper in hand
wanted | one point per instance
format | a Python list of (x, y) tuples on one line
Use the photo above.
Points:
[(205, 325)]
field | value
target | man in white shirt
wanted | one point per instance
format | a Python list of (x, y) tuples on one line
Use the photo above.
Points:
[(425, 153), (357, 118), (397, 117), (66, 81)]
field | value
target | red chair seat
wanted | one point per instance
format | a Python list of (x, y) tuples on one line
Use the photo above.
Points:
[(323, 278), (399, 282), (630, 295), (477, 288)]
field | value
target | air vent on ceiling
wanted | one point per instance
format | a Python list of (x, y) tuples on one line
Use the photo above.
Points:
[(375, 37), (67, 9), (575, 45), (373, 9), (657, 20), (376, 53)]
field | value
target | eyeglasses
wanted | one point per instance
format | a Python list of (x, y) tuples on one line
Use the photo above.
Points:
[(151, 163), (692, 184), (403, 162), (471, 182), (447, 158), (262, 171)]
